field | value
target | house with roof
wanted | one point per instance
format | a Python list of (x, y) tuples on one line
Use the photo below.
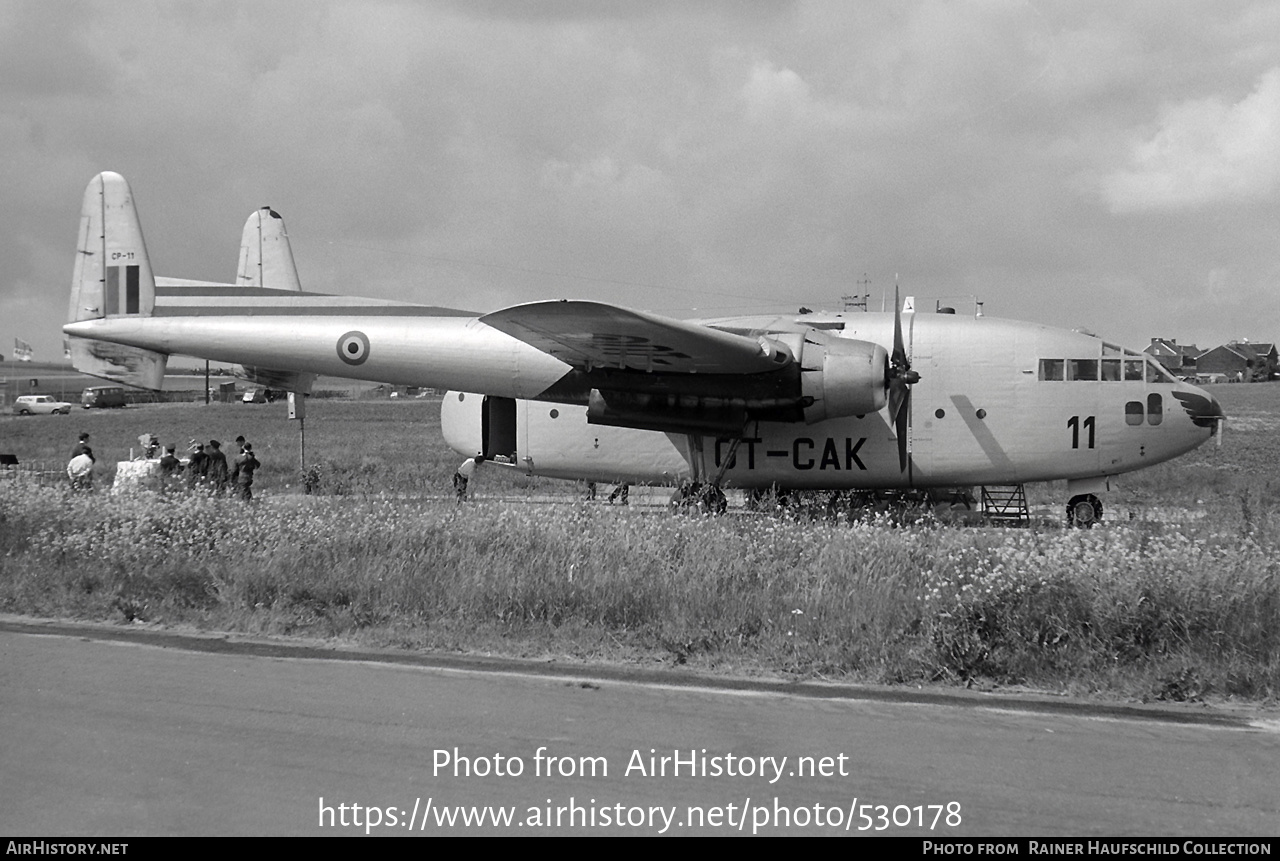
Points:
[(1178, 359), (1241, 360)]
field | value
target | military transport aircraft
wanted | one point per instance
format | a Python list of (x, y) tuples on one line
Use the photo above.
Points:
[(584, 390)]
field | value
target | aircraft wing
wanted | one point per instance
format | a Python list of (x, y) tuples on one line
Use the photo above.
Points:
[(592, 335)]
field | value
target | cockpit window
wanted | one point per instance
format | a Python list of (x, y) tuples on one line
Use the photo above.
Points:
[(1051, 369), (1082, 369), (1156, 373), (1131, 368)]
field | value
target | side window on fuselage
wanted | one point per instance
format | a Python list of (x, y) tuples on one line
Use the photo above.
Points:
[(1082, 369), (1051, 369)]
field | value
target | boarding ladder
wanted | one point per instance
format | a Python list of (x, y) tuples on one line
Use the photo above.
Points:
[(1005, 503)]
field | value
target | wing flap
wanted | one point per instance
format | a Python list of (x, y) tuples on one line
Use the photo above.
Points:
[(132, 366), (592, 335), (297, 382)]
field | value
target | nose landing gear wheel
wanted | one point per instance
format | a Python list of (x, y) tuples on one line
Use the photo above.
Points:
[(1084, 511)]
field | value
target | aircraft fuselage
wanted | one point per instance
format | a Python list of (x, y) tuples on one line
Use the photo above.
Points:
[(983, 412)]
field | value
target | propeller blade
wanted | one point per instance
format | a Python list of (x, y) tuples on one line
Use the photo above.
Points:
[(899, 358), (901, 422), (897, 397), (900, 380)]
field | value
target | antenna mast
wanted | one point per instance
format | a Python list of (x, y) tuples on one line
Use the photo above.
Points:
[(858, 301)]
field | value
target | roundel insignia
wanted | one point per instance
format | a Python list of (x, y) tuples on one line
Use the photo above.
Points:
[(353, 348)]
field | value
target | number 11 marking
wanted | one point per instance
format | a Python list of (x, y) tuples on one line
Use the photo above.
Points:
[(1074, 424)]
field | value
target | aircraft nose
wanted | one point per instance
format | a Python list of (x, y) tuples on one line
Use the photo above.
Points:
[(1202, 407)]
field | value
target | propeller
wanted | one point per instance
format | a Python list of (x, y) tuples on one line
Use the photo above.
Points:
[(900, 379)]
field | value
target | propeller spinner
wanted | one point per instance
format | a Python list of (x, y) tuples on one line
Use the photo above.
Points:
[(900, 378)]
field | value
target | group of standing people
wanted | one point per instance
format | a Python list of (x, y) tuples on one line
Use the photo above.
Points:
[(206, 468)]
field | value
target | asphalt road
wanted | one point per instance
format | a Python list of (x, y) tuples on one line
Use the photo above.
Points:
[(112, 732)]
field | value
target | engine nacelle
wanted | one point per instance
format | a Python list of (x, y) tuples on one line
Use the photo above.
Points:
[(841, 377), (671, 414)]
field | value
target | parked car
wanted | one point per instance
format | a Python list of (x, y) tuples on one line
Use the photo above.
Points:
[(37, 405), (258, 396), (102, 396)]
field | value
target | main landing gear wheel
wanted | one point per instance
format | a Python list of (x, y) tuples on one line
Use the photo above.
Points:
[(1084, 511)]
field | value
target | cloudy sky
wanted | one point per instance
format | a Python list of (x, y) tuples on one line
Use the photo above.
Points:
[(1108, 165)]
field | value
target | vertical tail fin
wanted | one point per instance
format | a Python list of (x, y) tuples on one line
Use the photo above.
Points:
[(112, 278), (112, 273), (266, 260)]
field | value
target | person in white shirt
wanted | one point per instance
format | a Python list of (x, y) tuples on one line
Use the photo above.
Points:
[(462, 477)]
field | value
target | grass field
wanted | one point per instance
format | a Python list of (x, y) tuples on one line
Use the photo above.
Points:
[(1182, 602), (364, 445)]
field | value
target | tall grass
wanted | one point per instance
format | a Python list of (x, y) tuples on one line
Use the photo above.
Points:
[(1180, 602), (1139, 609)]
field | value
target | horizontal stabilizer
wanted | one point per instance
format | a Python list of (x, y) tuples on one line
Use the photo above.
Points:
[(589, 335), (131, 366)]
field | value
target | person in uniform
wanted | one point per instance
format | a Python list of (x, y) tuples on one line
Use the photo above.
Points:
[(169, 464), (217, 472), (170, 469), (197, 465), (242, 473)]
